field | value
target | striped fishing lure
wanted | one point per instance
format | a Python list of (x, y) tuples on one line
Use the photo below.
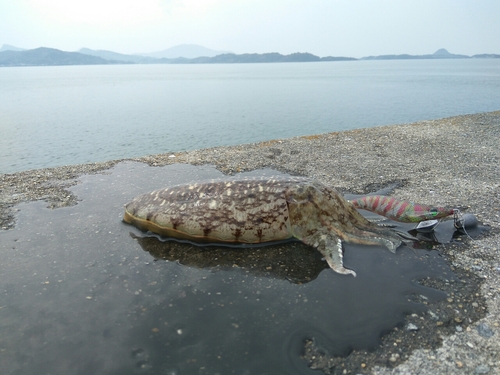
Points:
[(402, 211)]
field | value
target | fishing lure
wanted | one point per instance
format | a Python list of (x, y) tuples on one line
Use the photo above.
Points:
[(402, 211)]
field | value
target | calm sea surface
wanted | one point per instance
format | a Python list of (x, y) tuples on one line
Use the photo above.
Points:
[(52, 116)]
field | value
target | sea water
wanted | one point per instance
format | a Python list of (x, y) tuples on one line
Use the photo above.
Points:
[(53, 116)]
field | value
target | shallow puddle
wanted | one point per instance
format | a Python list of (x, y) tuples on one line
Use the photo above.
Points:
[(84, 293)]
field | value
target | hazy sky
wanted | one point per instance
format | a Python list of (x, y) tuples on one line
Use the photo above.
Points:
[(323, 27)]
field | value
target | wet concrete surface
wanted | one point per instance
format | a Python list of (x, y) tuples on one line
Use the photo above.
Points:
[(84, 293)]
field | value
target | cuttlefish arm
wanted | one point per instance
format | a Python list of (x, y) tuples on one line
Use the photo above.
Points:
[(322, 218), (330, 246)]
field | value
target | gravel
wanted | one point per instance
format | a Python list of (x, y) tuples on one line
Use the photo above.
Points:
[(453, 161)]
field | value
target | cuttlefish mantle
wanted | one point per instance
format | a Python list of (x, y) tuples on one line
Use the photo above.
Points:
[(259, 210)]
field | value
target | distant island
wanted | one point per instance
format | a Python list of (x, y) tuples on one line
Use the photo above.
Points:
[(43, 56), (48, 56), (439, 54), (188, 51)]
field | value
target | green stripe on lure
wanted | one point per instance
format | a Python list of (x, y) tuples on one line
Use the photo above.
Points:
[(401, 211)]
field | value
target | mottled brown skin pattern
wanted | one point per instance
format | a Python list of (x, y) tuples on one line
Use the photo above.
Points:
[(258, 210)]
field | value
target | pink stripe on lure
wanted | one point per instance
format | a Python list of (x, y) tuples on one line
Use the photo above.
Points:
[(402, 211)]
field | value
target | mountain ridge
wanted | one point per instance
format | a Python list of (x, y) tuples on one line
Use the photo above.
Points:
[(441, 53), (110, 55), (14, 56), (44, 56), (8, 47), (187, 51)]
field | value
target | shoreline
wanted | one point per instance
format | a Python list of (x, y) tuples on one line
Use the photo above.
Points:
[(451, 162)]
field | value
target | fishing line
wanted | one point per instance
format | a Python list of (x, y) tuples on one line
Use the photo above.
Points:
[(460, 222)]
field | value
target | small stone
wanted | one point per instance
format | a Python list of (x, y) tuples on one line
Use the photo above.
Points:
[(484, 330), (439, 324), (411, 327), (394, 357), (433, 315), (459, 364), (475, 304), (458, 329), (481, 369)]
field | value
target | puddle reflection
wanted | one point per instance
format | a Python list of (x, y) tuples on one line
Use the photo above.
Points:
[(80, 295)]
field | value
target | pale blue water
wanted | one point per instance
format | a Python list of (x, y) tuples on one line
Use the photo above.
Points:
[(52, 116)]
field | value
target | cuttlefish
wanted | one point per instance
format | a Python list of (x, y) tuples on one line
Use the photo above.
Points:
[(259, 210)]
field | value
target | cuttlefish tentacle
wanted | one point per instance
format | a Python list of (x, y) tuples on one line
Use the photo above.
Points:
[(258, 210)]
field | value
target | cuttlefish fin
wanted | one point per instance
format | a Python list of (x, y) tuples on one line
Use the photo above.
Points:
[(330, 246)]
